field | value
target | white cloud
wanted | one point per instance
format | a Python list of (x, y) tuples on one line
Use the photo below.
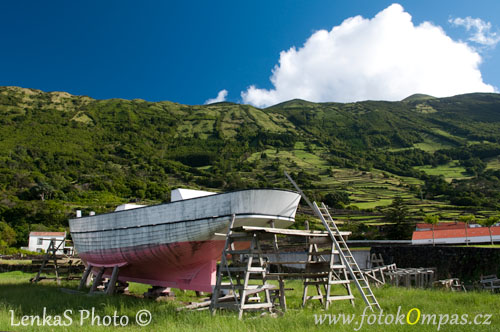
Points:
[(386, 57), (481, 31), (221, 96)]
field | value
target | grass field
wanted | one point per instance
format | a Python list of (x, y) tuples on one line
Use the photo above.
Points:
[(493, 163), (450, 171), (371, 190), (19, 298)]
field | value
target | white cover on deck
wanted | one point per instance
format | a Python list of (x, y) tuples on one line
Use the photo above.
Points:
[(128, 206), (182, 194)]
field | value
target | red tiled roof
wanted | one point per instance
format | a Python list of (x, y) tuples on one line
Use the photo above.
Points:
[(48, 233), (444, 225), (459, 232)]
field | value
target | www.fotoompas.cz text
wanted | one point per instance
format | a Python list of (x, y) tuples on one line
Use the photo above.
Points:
[(413, 316)]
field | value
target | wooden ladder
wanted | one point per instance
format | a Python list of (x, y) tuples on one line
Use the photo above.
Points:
[(320, 272), (238, 272)]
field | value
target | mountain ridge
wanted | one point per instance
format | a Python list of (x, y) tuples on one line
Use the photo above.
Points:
[(59, 152)]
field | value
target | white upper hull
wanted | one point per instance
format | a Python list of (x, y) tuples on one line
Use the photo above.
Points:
[(194, 219)]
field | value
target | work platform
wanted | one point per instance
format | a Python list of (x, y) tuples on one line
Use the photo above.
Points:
[(324, 270), (244, 275)]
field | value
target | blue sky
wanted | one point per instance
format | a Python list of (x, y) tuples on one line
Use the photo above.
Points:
[(188, 51)]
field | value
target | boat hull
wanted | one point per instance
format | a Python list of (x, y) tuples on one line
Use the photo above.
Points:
[(176, 244)]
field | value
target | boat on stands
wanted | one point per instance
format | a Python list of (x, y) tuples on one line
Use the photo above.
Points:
[(176, 244)]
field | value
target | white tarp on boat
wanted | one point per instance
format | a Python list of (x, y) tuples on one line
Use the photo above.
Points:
[(182, 194)]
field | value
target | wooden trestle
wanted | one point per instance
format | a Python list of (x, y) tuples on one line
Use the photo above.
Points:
[(57, 263), (240, 266), (246, 273)]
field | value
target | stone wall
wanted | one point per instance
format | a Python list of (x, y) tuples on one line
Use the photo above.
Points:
[(466, 263), (28, 268)]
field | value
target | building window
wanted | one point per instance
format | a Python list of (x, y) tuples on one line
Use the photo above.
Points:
[(40, 241), (39, 250)]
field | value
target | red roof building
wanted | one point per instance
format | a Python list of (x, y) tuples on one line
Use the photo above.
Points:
[(48, 234), (40, 241), (455, 235)]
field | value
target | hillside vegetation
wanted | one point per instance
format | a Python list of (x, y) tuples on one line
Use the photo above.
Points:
[(60, 152)]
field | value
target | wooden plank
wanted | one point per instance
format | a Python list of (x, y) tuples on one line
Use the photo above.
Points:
[(297, 274), (250, 289), (244, 252), (282, 231), (340, 298), (289, 262), (257, 305), (322, 253), (332, 282), (245, 269)]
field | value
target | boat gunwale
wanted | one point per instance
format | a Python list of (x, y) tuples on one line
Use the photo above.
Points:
[(241, 215), (184, 200)]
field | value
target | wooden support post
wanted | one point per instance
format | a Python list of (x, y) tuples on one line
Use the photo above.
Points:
[(88, 280), (42, 267), (112, 281), (280, 278), (223, 264), (97, 280), (52, 247), (86, 273)]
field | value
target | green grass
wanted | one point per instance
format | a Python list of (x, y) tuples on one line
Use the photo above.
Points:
[(432, 143), (450, 171), (494, 163), (446, 134), (266, 121), (430, 146), (24, 299), (374, 204)]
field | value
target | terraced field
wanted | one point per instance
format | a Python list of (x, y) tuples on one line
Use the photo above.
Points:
[(450, 171)]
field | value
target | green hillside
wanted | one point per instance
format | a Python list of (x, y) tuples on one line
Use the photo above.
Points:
[(60, 152)]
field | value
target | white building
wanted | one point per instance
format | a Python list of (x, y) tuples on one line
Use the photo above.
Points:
[(40, 241)]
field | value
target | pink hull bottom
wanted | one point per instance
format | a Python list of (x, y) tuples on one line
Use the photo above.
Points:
[(185, 265)]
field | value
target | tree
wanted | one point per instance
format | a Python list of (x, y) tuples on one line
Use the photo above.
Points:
[(433, 220), (489, 223), (470, 218), (397, 215), (42, 190), (7, 235), (337, 199)]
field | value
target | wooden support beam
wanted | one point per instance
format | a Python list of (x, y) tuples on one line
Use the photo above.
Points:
[(97, 280), (112, 282), (281, 282), (86, 273), (88, 280)]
